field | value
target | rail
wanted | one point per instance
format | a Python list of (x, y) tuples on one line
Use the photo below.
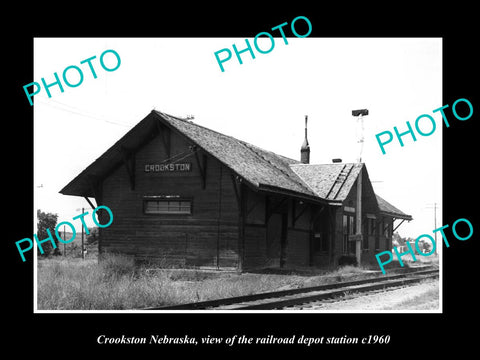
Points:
[(283, 298)]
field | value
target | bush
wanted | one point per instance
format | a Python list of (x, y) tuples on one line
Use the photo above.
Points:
[(46, 221), (92, 238), (347, 260)]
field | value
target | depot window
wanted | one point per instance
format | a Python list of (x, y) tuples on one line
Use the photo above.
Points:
[(167, 205)]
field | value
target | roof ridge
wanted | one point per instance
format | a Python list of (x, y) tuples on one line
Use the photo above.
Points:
[(298, 180), (261, 156), (268, 151), (222, 134), (193, 123), (254, 149), (338, 164)]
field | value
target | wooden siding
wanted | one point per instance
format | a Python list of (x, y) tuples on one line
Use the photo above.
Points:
[(298, 248), (369, 205), (255, 247), (206, 237), (216, 234), (385, 243)]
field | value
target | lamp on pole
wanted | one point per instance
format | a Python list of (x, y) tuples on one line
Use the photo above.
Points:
[(358, 236)]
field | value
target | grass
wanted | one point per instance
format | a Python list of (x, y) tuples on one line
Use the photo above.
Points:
[(421, 296), (427, 300), (408, 262), (116, 283)]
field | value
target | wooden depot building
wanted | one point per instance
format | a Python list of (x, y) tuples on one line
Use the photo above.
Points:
[(188, 196)]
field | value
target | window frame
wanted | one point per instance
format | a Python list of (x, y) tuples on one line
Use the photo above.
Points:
[(167, 199)]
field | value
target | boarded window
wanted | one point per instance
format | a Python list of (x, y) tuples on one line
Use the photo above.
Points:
[(167, 206)]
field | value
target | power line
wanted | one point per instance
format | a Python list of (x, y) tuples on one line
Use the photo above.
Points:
[(76, 111), (180, 156), (190, 153)]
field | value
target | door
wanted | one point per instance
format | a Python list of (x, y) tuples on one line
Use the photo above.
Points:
[(277, 239)]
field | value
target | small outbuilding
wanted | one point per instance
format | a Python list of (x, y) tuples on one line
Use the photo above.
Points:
[(188, 196)]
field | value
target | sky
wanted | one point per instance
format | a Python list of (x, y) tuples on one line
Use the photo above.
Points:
[(262, 101)]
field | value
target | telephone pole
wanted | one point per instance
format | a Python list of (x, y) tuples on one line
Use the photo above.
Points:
[(434, 222), (358, 236), (83, 242)]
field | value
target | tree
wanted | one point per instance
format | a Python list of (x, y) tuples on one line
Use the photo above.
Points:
[(92, 238), (426, 247), (46, 221), (397, 240)]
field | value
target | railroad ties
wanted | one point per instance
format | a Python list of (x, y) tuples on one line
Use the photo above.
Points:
[(294, 297)]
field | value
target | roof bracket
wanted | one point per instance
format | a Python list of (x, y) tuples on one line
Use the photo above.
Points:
[(129, 162), (316, 214), (253, 206), (296, 216), (89, 202), (96, 186), (165, 134), (396, 227), (274, 207), (203, 168), (237, 183)]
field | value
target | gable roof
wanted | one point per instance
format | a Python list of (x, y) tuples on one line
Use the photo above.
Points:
[(261, 169), (329, 181), (333, 182), (388, 209)]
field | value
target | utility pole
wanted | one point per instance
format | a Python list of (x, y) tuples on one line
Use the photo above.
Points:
[(434, 222), (358, 236), (359, 115), (83, 245)]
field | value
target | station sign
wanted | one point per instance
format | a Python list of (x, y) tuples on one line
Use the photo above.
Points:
[(179, 167)]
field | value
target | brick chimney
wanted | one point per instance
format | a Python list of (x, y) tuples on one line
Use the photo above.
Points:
[(305, 149)]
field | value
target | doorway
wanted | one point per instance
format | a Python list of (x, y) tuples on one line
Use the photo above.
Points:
[(277, 239)]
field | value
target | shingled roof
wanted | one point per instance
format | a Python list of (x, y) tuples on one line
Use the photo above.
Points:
[(332, 182), (388, 209), (261, 169)]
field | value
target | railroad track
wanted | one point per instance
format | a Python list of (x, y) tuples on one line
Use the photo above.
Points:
[(294, 297)]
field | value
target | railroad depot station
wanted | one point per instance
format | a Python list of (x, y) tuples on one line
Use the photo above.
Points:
[(188, 196)]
